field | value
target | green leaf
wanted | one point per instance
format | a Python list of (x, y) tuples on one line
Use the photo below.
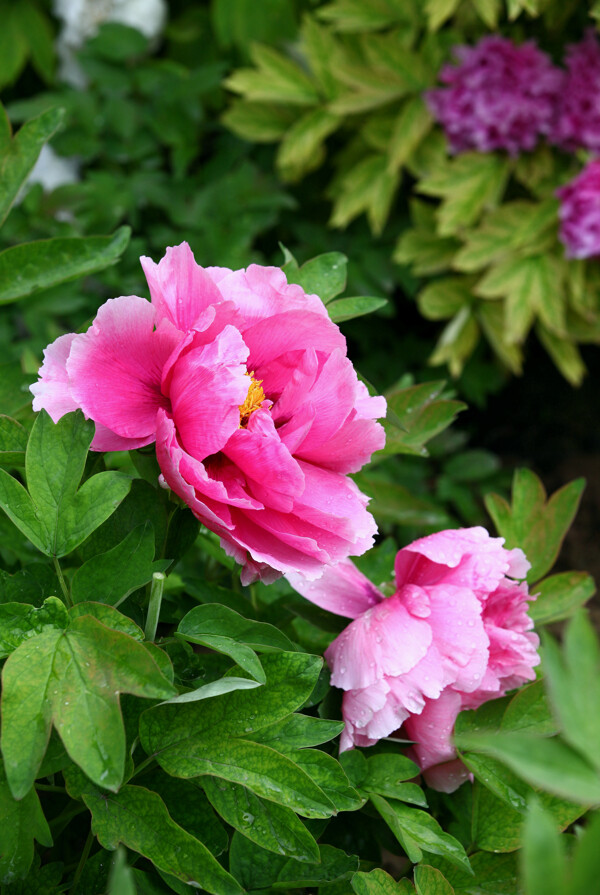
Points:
[(549, 764), (469, 184), (301, 149), (13, 442), (138, 818), (271, 826), (564, 352), (528, 710), (431, 881), (189, 807), (422, 413), (355, 306), (369, 186), (257, 122), (530, 523), (72, 679), (586, 859), (22, 822), (330, 776), (241, 21), (215, 688), (437, 12), (19, 156), (110, 577), (53, 514), (112, 618), (417, 831), (297, 732), (544, 861), (121, 880), (493, 874), (395, 503), (275, 79), (445, 297), (324, 275), (412, 124), (386, 775), (378, 882), (488, 11), (19, 622), (39, 36), (27, 268), (560, 595), (256, 868)]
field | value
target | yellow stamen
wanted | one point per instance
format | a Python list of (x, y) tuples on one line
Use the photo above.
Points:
[(253, 401)]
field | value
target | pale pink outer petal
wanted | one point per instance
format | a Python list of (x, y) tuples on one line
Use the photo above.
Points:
[(115, 368), (106, 440), (385, 641), (52, 391), (465, 557), (341, 589), (180, 289), (448, 776), (370, 714), (432, 729), (206, 388)]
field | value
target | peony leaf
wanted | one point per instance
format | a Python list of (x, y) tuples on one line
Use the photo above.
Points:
[(355, 306), (72, 679), (431, 881), (324, 275), (297, 731), (257, 869), (378, 882), (560, 595), (271, 826), (422, 413), (20, 621), (22, 822), (544, 859), (13, 442), (536, 526)]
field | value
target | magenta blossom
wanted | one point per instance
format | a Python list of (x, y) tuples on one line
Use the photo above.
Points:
[(500, 96), (580, 213), (577, 124), (454, 634), (242, 381)]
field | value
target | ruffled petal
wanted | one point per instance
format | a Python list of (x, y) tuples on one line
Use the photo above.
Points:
[(52, 391), (115, 368), (180, 289), (432, 729), (341, 589), (292, 331), (261, 292)]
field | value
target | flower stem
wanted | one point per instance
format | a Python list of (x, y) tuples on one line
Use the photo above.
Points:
[(62, 582), (156, 593), (83, 859)]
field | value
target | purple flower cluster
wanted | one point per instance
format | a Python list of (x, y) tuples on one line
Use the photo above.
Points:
[(500, 96), (577, 120), (580, 213)]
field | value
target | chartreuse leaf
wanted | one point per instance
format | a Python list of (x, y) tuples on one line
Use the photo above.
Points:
[(32, 266), (301, 149), (22, 822), (438, 11), (573, 683), (53, 513), (378, 882), (19, 154), (533, 524), (138, 818), (256, 868), (468, 184), (13, 442), (431, 881), (20, 621), (543, 857), (421, 413), (369, 186), (275, 79), (417, 831), (207, 737), (273, 827), (423, 248), (324, 275), (72, 679), (110, 577), (215, 688), (560, 595)]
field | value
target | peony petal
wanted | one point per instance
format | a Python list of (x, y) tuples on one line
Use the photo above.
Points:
[(341, 589), (207, 386), (385, 641), (292, 331), (432, 729), (115, 368), (52, 392), (180, 289), (262, 292)]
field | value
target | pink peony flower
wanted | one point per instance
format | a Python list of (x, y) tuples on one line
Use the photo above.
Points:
[(500, 96), (242, 381), (454, 634), (580, 213), (577, 123)]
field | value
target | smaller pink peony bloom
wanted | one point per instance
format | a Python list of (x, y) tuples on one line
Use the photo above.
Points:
[(577, 122), (243, 383), (499, 96), (580, 213), (454, 634)]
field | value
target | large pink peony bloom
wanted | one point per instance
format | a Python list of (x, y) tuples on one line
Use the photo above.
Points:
[(577, 123), (243, 382), (454, 634), (580, 213), (499, 96)]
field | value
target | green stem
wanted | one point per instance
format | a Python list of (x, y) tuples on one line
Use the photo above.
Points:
[(62, 582), (47, 787), (156, 593), (142, 766), (83, 859)]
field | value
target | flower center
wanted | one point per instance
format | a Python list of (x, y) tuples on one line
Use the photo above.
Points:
[(253, 401)]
